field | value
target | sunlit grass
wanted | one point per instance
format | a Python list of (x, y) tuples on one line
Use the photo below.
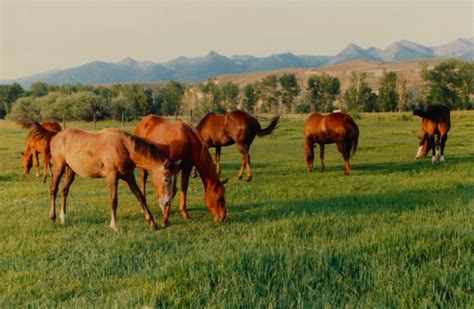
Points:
[(397, 232)]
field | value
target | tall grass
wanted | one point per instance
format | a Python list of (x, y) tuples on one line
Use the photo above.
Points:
[(396, 233)]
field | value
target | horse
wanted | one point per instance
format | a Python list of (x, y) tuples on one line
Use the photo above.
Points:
[(181, 141), (435, 124), (237, 127), (111, 154), (34, 147), (337, 128)]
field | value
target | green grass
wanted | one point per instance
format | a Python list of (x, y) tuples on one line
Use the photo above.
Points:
[(396, 233)]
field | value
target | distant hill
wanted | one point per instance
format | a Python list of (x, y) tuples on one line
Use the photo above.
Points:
[(409, 70), (213, 64)]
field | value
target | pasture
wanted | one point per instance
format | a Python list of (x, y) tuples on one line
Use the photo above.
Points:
[(396, 233)]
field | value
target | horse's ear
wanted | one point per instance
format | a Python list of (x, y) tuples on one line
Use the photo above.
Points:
[(178, 164), (22, 153), (224, 181)]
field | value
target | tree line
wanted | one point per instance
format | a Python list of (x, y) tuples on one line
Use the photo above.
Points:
[(450, 82)]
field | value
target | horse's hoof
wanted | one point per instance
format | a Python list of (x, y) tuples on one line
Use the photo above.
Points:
[(63, 218), (249, 178), (153, 226), (163, 225), (186, 217), (52, 217), (239, 177), (442, 159), (114, 228)]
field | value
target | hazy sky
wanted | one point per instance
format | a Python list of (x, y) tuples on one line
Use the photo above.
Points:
[(37, 36)]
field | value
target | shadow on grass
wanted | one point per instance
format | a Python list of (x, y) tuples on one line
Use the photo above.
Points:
[(411, 166), (397, 202)]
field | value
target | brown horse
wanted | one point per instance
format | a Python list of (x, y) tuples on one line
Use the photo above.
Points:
[(236, 127), (337, 128), (110, 153), (180, 141), (34, 147), (435, 125)]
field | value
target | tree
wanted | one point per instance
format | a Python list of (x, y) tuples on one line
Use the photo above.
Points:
[(39, 89), (230, 93), (8, 95), (322, 91), (359, 96), (140, 102), (213, 98), (170, 98), (26, 108), (451, 83), (388, 96), (402, 94), (289, 89), (267, 91), (250, 98)]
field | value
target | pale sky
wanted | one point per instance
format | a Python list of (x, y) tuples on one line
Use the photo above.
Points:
[(37, 36)]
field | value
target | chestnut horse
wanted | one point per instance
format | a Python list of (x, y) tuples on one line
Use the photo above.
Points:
[(337, 128), (109, 153), (236, 127), (180, 141), (34, 147), (435, 125)]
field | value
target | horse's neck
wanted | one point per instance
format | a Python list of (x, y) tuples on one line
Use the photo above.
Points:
[(141, 160), (205, 167)]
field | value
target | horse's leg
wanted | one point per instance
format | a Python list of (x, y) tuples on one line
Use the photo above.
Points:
[(249, 172), (37, 163), (444, 138), (345, 154), (309, 153), (45, 166), (244, 154), (130, 179), (438, 147), (321, 156), (433, 150), (218, 160), (53, 190), (69, 179), (144, 177), (185, 172), (113, 180)]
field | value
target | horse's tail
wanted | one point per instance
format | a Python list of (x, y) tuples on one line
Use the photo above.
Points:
[(268, 130), (25, 124), (352, 138), (39, 133), (420, 113)]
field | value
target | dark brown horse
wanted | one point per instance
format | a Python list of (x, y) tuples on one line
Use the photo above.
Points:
[(435, 126), (35, 147), (182, 142), (109, 153), (337, 128), (236, 127)]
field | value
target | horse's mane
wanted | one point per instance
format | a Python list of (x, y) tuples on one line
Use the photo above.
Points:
[(37, 131), (145, 148)]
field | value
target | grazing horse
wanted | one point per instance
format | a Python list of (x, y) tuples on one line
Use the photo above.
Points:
[(337, 128), (182, 142), (236, 127), (109, 153), (34, 147), (435, 125)]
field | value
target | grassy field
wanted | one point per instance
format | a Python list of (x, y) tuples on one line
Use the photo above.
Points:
[(396, 233)]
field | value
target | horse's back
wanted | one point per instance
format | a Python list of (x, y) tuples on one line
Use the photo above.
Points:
[(91, 154), (330, 128)]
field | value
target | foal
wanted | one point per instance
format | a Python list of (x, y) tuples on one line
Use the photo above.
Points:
[(110, 153), (337, 128), (34, 147)]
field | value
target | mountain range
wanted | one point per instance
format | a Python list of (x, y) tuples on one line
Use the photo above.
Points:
[(213, 64)]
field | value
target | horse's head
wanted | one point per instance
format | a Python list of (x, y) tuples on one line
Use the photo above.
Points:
[(27, 162), (425, 146), (215, 200), (164, 181)]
